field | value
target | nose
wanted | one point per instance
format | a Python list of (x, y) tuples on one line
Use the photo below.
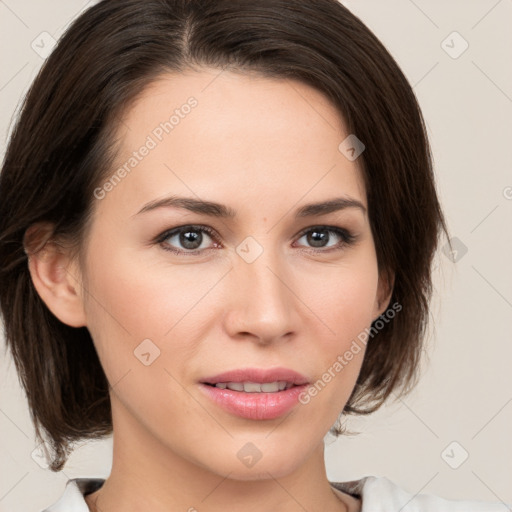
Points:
[(261, 304)]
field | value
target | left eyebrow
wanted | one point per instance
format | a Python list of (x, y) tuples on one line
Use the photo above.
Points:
[(325, 207), (213, 209)]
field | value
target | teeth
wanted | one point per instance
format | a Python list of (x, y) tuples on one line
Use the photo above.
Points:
[(255, 387), (235, 386)]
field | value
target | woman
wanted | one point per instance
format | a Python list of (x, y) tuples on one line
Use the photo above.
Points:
[(217, 224)]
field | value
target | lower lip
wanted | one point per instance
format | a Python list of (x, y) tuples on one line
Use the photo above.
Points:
[(255, 406)]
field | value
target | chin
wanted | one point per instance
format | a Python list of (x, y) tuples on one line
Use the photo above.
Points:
[(260, 471), (250, 463)]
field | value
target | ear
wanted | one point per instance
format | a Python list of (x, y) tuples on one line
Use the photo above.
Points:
[(55, 275), (384, 292)]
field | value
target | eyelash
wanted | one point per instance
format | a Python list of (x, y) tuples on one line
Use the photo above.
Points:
[(347, 238)]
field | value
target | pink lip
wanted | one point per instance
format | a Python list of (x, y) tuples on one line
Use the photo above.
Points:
[(258, 375), (256, 406)]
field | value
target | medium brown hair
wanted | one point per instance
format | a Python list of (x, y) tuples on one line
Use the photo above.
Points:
[(62, 147)]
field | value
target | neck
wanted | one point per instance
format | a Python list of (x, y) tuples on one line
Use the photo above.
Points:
[(148, 476)]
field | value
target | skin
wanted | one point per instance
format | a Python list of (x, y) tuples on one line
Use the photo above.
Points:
[(264, 147)]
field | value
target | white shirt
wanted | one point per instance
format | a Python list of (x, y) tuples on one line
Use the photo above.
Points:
[(377, 494)]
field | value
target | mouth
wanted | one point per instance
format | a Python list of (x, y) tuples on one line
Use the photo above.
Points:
[(255, 394), (254, 387)]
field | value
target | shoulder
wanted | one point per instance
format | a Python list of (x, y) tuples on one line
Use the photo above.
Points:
[(72, 499), (379, 494)]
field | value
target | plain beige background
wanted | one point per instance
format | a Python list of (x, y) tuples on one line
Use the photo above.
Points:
[(452, 435)]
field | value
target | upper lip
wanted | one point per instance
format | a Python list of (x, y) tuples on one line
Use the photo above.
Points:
[(259, 375)]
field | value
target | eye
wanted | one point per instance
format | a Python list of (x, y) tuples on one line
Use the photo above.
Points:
[(320, 236), (190, 238), (193, 240)]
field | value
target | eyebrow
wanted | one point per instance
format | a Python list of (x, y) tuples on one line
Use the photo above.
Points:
[(219, 210)]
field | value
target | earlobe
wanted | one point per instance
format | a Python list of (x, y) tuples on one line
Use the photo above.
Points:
[(56, 279), (384, 293)]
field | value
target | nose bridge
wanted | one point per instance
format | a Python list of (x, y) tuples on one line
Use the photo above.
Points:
[(262, 304)]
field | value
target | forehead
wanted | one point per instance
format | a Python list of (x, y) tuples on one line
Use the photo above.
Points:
[(217, 134)]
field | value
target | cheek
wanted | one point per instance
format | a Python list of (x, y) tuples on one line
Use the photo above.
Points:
[(345, 305), (130, 301), (344, 297), (140, 318)]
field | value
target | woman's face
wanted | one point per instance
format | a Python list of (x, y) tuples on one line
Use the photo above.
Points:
[(265, 288)]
